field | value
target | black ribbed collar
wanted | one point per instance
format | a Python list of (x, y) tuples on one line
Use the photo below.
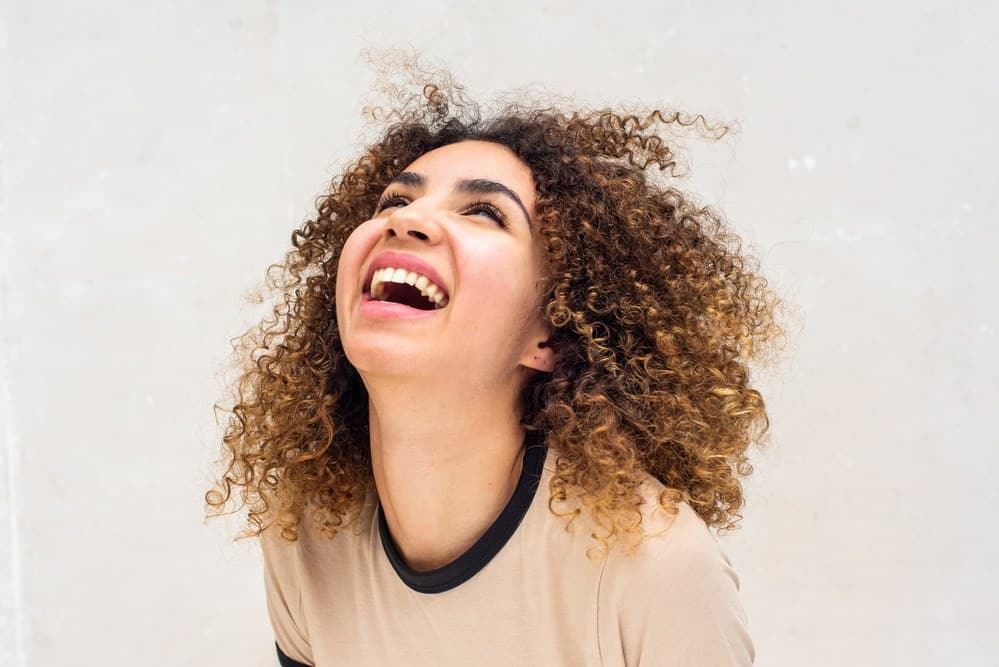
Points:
[(486, 547)]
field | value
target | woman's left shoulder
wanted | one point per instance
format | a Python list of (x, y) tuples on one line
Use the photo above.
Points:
[(675, 600), (676, 543)]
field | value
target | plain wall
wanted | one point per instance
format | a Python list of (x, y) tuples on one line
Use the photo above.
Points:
[(155, 158)]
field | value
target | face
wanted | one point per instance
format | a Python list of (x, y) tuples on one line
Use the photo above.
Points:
[(481, 245)]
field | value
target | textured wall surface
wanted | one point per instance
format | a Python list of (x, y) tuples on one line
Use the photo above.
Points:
[(154, 158)]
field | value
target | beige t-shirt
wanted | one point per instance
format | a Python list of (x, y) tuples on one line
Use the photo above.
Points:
[(524, 594)]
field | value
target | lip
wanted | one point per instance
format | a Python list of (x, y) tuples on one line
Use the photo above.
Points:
[(401, 260), (391, 310)]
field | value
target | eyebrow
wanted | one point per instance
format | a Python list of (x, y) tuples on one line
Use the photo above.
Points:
[(474, 186)]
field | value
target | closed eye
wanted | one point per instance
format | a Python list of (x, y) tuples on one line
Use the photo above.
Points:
[(494, 212), (390, 201)]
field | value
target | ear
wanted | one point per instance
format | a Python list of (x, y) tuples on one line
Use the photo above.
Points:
[(539, 355)]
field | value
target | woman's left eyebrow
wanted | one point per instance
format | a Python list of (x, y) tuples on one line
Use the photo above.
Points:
[(474, 186)]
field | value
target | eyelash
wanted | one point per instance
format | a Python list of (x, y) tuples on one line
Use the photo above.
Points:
[(479, 205)]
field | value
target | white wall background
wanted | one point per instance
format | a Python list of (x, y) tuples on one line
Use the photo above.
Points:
[(156, 157)]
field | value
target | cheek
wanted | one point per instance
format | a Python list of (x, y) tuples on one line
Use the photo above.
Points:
[(500, 291), (350, 261)]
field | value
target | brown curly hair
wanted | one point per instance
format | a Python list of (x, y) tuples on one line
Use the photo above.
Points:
[(654, 310)]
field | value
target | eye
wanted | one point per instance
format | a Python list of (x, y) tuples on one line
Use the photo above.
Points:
[(391, 199), (388, 201), (494, 213)]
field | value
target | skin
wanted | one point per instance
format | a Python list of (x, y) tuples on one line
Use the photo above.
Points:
[(446, 443)]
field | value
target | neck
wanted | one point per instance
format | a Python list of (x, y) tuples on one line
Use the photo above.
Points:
[(444, 469)]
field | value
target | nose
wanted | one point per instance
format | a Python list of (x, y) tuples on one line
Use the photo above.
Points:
[(412, 220)]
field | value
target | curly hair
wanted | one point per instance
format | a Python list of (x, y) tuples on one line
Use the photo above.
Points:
[(655, 314)]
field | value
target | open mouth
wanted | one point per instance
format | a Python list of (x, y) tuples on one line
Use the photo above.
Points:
[(407, 295), (406, 288)]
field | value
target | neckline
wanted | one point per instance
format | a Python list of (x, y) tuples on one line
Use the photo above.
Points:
[(486, 547)]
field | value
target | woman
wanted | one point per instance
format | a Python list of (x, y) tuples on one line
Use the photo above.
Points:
[(505, 399)]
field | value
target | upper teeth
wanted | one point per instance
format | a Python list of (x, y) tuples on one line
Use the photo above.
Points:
[(426, 286)]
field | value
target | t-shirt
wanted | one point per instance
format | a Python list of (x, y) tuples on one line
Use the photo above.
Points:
[(524, 594)]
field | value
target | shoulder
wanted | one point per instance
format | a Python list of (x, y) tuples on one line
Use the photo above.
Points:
[(298, 566), (296, 574), (283, 592), (312, 541), (678, 552), (676, 599)]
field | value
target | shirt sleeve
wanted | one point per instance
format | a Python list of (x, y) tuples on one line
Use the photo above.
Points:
[(284, 602), (675, 603)]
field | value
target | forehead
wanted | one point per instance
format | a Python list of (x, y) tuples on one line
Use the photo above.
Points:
[(476, 159)]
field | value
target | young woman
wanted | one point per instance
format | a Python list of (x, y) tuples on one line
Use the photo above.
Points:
[(503, 402)]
